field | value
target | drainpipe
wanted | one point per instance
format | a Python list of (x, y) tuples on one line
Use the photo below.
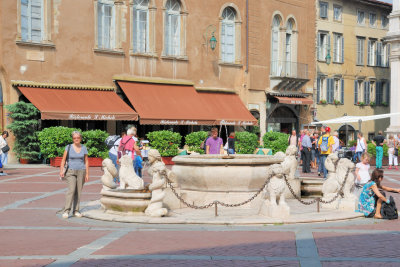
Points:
[(247, 36)]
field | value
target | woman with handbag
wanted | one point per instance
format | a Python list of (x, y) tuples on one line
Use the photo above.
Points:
[(76, 173), (392, 146), (361, 146), (4, 148)]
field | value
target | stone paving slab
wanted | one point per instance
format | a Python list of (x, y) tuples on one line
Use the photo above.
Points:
[(44, 242), (32, 187), (360, 264), (204, 243), (25, 263), (7, 198), (58, 200)]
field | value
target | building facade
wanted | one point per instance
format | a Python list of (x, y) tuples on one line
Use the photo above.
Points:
[(250, 49), (353, 74)]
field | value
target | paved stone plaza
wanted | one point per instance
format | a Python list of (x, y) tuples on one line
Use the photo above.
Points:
[(33, 234)]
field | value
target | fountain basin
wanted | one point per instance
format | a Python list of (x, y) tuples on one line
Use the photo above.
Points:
[(125, 200), (231, 179)]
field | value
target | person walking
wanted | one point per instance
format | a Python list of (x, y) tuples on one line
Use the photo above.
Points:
[(307, 146), (214, 144), (361, 146), (325, 144), (4, 148), (130, 147), (76, 173), (392, 145), (378, 142)]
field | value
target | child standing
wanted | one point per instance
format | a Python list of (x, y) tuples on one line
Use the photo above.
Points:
[(362, 174)]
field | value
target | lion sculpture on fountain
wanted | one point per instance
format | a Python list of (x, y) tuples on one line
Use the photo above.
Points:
[(127, 176), (109, 173), (274, 204), (159, 173), (330, 164), (331, 187)]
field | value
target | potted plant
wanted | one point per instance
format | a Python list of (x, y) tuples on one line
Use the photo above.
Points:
[(337, 102), (24, 126), (322, 102), (360, 103), (385, 104), (53, 141), (97, 148), (276, 141), (371, 149), (372, 104), (246, 143), (194, 140), (166, 142)]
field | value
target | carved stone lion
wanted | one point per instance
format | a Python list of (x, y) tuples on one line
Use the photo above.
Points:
[(330, 165), (159, 172), (109, 173), (127, 176)]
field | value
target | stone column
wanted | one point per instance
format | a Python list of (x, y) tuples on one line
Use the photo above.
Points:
[(393, 37)]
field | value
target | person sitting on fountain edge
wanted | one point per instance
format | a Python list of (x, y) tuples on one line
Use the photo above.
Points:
[(214, 144)]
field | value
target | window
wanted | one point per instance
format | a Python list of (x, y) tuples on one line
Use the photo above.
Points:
[(371, 52), (228, 35), (323, 45), (275, 36), (379, 93), (372, 91), (358, 92), (172, 36), (140, 26), (360, 17), (32, 13), (105, 24), (360, 50), (337, 13), (338, 48), (288, 48), (384, 21), (385, 55), (323, 10), (330, 91), (372, 19), (379, 55), (320, 83), (367, 91)]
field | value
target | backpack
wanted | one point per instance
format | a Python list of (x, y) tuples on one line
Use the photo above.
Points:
[(324, 144), (110, 141), (121, 148), (389, 211)]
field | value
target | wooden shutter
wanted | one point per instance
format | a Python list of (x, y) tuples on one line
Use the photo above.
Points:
[(355, 92), (318, 89), (319, 51), (328, 46), (36, 20), (387, 100), (342, 91), (176, 34), (366, 92), (100, 24), (369, 53), (330, 90), (142, 31), (378, 53), (24, 20), (342, 54), (335, 48)]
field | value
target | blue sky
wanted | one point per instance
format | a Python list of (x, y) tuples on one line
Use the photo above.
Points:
[(387, 1)]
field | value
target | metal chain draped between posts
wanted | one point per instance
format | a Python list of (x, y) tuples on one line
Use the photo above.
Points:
[(318, 199), (216, 202)]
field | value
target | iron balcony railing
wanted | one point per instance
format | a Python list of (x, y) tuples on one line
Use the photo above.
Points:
[(289, 69)]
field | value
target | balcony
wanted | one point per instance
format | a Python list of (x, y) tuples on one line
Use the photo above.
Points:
[(288, 75)]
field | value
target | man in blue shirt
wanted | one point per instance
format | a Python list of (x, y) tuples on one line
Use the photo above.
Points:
[(307, 146)]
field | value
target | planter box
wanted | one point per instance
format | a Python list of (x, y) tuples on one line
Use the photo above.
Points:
[(167, 160), (24, 161), (385, 161), (93, 162)]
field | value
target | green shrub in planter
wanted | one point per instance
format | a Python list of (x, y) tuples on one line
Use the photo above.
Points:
[(94, 141), (371, 149), (24, 126), (194, 140), (246, 143), (276, 141), (166, 142), (352, 143), (53, 140)]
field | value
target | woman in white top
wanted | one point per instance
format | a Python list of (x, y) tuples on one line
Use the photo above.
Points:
[(361, 146), (362, 174), (392, 144), (3, 155)]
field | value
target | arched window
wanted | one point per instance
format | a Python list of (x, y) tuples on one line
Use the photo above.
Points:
[(140, 26), (228, 35), (288, 47), (106, 24), (172, 31), (275, 69)]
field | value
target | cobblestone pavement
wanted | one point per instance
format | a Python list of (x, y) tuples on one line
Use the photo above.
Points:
[(34, 234)]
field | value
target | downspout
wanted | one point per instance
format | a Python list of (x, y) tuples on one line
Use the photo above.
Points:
[(247, 36)]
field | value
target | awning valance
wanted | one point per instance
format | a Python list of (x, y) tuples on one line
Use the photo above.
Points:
[(350, 119), (294, 100), (169, 104), (77, 104)]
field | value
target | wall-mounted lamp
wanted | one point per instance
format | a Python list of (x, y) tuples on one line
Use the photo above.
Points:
[(328, 57), (213, 42)]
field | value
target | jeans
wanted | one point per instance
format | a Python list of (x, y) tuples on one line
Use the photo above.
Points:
[(358, 155), (231, 151), (137, 165), (319, 159), (306, 160), (323, 158), (379, 155), (113, 159), (4, 158)]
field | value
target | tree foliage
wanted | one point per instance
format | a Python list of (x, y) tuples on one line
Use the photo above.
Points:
[(24, 126)]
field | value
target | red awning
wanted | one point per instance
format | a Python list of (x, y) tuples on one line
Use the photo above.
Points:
[(167, 104), (228, 109), (294, 100), (78, 104)]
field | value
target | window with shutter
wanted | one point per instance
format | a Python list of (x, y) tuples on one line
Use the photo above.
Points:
[(140, 34), (105, 24), (330, 90), (32, 27), (228, 35), (355, 92), (387, 100), (172, 29), (360, 50), (275, 46), (342, 91), (318, 89), (323, 10)]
